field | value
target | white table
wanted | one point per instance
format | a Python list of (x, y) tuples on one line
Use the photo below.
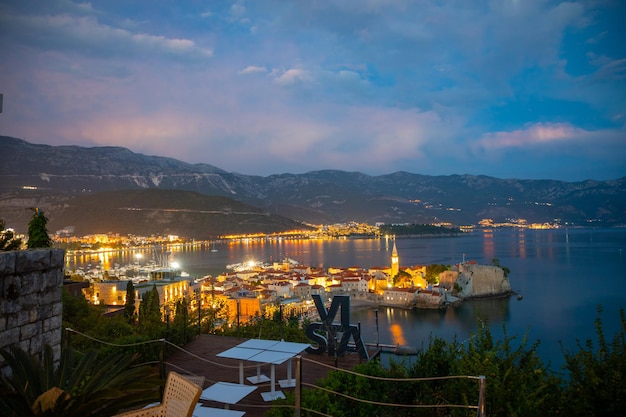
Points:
[(273, 358), (266, 351), (226, 392), (241, 354), (293, 348), (290, 347), (258, 344)]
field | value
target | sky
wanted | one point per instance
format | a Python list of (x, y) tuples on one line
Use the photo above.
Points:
[(529, 89)]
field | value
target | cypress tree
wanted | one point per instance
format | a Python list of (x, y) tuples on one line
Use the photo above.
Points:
[(37, 232), (150, 308), (154, 306), (129, 305)]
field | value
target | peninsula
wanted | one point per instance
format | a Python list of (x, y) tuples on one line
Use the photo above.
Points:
[(255, 288)]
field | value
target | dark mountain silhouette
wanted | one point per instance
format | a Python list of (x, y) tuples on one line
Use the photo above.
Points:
[(62, 172)]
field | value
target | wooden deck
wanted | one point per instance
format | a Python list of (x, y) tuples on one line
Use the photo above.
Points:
[(199, 357)]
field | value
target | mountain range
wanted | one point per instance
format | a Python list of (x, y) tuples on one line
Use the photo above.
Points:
[(69, 182)]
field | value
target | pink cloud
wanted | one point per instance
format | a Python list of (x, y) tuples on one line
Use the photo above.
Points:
[(536, 133)]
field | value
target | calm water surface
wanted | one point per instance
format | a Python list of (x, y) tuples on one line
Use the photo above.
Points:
[(563, 275)]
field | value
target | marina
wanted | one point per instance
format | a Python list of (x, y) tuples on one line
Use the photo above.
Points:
[(562, 274)]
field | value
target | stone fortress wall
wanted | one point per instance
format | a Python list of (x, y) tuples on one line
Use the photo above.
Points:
[(482, 281), (31, 289)]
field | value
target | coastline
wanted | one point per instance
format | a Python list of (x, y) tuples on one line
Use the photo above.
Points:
[(361, 304)]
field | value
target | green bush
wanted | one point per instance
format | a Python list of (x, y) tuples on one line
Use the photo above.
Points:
[(597, 375), (518, 383), (88, 385)]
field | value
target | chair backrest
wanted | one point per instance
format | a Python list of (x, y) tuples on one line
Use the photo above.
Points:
[(198, 380), (180, 396)]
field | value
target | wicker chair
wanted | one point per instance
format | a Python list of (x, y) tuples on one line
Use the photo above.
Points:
[(198, 380), (180, 397)]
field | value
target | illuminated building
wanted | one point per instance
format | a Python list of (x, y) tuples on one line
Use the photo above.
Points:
[(395, 261)]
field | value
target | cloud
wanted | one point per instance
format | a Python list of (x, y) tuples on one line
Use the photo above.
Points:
[(537, 133), (292, 76), (611, 69), (368, 85), (251, 69), (87, 36)]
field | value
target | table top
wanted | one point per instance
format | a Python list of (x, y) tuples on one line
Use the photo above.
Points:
[(258, 344), (266, 351), (240, 353), (290, 347), (270, 356), (226, 392)]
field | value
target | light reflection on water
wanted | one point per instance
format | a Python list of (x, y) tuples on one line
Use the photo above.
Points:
[(562, 274)]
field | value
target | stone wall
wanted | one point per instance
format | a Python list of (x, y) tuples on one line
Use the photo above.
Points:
[(447, 279), (482, 281), (31, 288)]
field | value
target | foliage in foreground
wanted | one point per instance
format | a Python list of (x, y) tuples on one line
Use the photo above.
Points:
[(145, 334), (272, 328), (37, 231), (8, 240), (517, 381), (597, 375), (82, 386)]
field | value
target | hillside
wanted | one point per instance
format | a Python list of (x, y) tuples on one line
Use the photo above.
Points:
[(315, 197), (147, 212)]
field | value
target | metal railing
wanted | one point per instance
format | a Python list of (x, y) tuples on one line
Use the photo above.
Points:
[(299, 383)]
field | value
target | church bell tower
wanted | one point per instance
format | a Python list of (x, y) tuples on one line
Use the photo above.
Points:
[(395, 261)]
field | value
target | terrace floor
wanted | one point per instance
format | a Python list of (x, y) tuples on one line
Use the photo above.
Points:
[(199, 357)]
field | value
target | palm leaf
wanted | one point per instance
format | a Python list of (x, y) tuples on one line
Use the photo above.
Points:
[(84, 386)]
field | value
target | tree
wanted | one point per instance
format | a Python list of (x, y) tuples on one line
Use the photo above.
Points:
[(88, 385), (518, 383), (506, 363), (402, 277), (597, 374), (129, 305), (216, 315), (150, 310), (37, 232), (179, 332), (433, 271), (8, 241), (496, 262)]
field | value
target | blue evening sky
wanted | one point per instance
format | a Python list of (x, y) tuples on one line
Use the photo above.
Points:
[(506, 88)]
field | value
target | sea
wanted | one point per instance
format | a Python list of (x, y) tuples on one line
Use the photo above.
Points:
[(561, 277)]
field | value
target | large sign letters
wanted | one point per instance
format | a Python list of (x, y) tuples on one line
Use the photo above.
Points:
[(326, 332)]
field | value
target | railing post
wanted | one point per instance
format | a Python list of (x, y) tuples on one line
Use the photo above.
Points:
[(68, 342), (298, 390), (376, 315), (162, 359), (199, 313), (238, 315), (481, 412)]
